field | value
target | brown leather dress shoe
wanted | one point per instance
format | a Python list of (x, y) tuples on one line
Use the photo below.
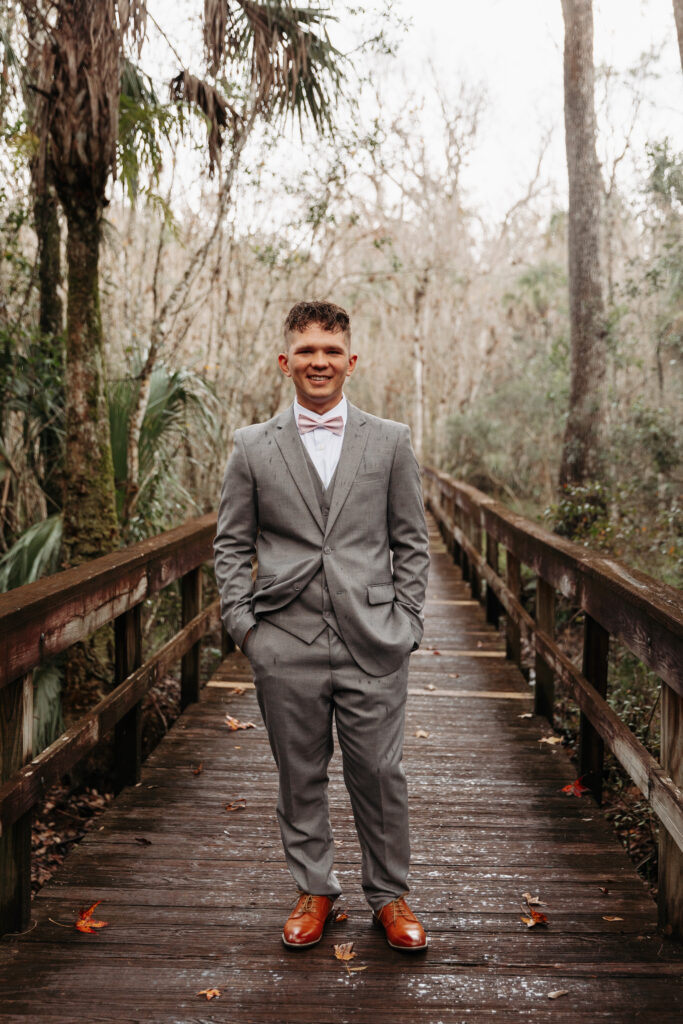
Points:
[(401, 928), (305, 925)]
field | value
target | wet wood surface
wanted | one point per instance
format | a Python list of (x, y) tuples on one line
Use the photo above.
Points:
[(195, 896)]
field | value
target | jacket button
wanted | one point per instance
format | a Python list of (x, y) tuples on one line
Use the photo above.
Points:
[(297, 586), (327, 551)]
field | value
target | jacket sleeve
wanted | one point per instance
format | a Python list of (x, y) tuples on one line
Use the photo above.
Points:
[(234, 545), (408, 536)]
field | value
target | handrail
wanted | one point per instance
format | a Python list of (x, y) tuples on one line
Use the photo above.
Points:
[(619, 603), (45, 618)]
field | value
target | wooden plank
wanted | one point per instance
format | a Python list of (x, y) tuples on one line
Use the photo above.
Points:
[(670, 898), (42, 619), (16, 741), (30, 784)]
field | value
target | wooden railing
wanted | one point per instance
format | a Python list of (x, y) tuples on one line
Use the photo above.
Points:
[(45, 618), (646, 616)]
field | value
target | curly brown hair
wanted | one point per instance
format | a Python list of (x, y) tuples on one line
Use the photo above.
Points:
[(328, 316)]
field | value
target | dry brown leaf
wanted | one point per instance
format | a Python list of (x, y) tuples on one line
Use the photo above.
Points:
[(604, 890), (237, 805), (550, 739), (199, 769), (422, 734), (611, 917), (430, 686), (341, 916), (142, 841), (344, 951), (527, 714), (210, 993), (533, 901), (437, 652), (234, 723), (355, 970), (85, 923), (237, 691), (558, 992), (453, 675)]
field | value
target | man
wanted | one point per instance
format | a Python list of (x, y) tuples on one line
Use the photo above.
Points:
[(328, 499)]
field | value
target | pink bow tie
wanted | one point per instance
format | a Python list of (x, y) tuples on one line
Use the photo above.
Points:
[(306, 423)]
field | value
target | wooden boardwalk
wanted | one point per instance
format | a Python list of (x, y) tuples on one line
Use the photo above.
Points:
[(195, 896)]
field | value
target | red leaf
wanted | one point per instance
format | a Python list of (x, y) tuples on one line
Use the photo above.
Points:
[(234, 723), (575, 788), (236, 805), (85, 923)]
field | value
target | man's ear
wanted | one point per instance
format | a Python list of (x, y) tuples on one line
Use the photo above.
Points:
[(283, 360), (353, 359)]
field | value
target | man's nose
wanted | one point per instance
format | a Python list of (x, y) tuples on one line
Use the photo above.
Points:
[(320, 358)]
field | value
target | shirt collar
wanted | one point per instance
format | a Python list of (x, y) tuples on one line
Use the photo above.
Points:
[(340, 409)]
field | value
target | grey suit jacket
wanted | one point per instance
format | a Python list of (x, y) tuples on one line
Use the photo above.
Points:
[(374, 547)]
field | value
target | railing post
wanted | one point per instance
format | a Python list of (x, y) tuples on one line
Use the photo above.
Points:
[(191, 595), (492, 602), (544, 695), (457, 550), (670, 891), (465, 561), (128, 731), (595, 664), (475, 579), (16, 743), (513, 637)]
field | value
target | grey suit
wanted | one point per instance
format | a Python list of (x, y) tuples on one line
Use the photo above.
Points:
[(338, 601)]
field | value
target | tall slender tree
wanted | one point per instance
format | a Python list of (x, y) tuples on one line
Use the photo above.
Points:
[(581, 446), (678, 15)]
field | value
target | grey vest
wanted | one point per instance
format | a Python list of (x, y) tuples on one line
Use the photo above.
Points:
[(312, 605)]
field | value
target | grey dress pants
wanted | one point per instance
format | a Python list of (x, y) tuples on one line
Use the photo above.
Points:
[(299, 688)]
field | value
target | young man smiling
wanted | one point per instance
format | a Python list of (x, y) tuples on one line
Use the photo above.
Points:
[(328, 500)]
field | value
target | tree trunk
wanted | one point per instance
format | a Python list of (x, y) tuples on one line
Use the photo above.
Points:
[(678, 15), (90, 522), (581, 447), (418, 364), (50, 347)]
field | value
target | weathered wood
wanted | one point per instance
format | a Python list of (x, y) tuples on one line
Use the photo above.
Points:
[(42, 619), (595, 665), (16, 740), (200, 903), (645, 614), (128, 730), (670, 898), (492, 602), (476, 538), (545, 621), (227, 642), (28, 785), (513, 645), (191, 600)]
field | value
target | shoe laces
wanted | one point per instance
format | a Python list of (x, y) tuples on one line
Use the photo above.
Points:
[(306, 904), (399, 908)]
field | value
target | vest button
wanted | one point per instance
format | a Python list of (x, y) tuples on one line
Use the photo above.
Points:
[(327, 551)]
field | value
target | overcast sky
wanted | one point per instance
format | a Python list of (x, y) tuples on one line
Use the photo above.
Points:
[(513, 49)]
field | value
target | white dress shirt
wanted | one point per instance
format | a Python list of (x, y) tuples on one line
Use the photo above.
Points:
[(322, 445)]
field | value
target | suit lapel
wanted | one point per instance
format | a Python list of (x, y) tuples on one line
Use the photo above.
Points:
[(289, 443), (355, 438)]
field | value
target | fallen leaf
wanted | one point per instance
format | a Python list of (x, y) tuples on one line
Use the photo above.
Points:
[(527, 714), (453, 675), (422, 734), (236, 805), (550, 739), (558, 992), (234, 723), (210, 993), (430, 686), (85, 923), (575, 788), (344, 951), (355, 970), (604, 890), (480, 643), (199, 769), (436, 652), (341, 916), (237, 691), (142, 841), (611, 917), (535, 917), (533, 901)]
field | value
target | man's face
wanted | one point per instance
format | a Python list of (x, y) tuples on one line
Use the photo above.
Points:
[(318, 362)]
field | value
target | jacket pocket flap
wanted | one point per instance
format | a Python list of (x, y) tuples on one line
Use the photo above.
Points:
[(381, 593)]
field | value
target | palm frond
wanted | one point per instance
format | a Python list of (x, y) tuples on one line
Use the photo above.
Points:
[(34, 554), (200, 94), (144, 123)]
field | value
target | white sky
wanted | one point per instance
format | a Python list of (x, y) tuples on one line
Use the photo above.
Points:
[(513, 48)]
